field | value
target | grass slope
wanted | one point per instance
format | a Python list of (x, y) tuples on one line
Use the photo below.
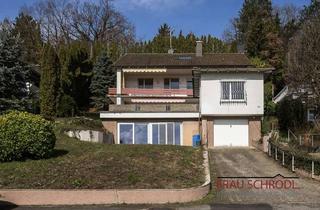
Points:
[(82, 165)]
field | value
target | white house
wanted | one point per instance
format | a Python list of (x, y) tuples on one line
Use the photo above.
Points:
[(170, 98)]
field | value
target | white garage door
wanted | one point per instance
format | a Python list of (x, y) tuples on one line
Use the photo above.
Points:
[(229, 132)]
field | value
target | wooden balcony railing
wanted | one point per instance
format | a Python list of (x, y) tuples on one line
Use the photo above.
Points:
[(152, 92)]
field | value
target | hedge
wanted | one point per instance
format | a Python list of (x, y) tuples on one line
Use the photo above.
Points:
[(24, 135)]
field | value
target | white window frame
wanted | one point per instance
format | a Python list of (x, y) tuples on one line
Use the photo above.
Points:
[(230, 92), (308, 115), (150, 137), (118, 128)]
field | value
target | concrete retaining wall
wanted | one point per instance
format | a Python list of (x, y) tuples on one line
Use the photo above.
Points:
[(89, 135), (112, 196)]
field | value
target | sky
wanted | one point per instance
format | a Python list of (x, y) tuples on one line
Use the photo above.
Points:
[(202, 17)]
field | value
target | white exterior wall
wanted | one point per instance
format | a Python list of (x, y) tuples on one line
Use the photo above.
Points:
[(210, 94), (131, 81)]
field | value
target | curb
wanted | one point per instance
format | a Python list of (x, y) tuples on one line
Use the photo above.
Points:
[(109, 196)]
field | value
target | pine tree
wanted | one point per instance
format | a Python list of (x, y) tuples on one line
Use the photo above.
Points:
[(259, 31), (311, 11), (76, 72), (13, 72), (49, 84), (103, 78), (161, 42), (29, 31)]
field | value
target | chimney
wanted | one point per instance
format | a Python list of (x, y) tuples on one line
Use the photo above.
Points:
[(199, 48)]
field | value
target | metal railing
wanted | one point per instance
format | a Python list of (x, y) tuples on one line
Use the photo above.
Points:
[(151, 92), (294, 161)]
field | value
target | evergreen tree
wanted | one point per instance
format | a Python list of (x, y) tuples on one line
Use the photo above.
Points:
[(13, 72), (259, 32), (103, 78), (29, 31), (49, 84), (254, 24), (161, 42), (311, 11), (76, 73)]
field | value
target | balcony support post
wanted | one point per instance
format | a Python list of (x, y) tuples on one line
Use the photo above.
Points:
[(119, 86)]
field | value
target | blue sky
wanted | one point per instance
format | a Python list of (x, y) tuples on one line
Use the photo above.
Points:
[(197, 16)]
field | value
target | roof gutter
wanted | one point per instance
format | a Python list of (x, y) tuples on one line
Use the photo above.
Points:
[(227, 70)]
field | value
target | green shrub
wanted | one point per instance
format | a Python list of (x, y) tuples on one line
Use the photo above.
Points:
[(78, 123), (259, 63), (67, 106), (269, 106), (291, 114), (24, 135)]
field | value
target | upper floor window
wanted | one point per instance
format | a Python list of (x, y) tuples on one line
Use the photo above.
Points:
[(189, 84), (311, 114), (172, 83), (233, 91), (145, 83)]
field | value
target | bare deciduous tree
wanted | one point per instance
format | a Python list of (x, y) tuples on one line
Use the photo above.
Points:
[(287, 13), (303, 72), (66, 20)]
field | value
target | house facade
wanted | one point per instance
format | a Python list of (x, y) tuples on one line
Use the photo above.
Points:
[(169, 98), (305, 94)]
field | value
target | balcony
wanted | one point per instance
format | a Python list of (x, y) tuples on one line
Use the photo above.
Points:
[(154, 108), (152, 92)]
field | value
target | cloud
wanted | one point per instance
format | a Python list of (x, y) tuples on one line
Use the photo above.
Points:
[(156, 5)]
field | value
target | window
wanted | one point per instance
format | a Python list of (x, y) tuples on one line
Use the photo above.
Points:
[(232, 91), (189, 84), (162, 133), (150, 133), (311, 114), (170, 133), (141, 133), (166, 133), (171, 83), (145, 83), (126, 133), (177, 133)]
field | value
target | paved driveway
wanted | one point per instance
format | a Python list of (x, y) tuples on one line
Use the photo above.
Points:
[(245, 162)]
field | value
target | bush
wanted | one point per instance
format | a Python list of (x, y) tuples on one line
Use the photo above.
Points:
[(291, 114), (302, 158), (259, 63), (67, 106), (24, 135), (78, 123), (269, 106)]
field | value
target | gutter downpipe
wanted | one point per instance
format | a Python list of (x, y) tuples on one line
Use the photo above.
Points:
[(199, 105)]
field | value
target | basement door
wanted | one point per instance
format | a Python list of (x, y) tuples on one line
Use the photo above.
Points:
[(231, 132)]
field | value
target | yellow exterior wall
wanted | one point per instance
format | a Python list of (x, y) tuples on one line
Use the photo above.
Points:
[(190, 128), (111, 129)]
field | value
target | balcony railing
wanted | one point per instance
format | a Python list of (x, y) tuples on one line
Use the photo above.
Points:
[(152, 92), (154, 108)]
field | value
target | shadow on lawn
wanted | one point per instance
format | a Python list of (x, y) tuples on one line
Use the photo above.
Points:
[(5, 205), (58, 152)]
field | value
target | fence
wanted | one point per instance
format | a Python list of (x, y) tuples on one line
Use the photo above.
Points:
[(294, 160), (311, 140)]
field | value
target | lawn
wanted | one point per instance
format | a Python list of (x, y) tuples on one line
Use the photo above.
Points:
[(83, 165)]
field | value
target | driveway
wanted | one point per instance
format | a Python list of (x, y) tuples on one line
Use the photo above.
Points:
[(245, 162)]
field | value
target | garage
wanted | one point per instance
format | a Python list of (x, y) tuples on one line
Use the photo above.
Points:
[(231, 132)]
